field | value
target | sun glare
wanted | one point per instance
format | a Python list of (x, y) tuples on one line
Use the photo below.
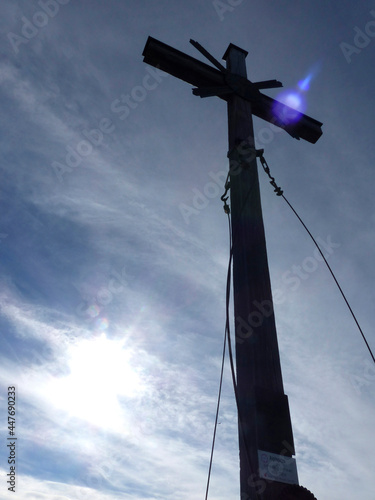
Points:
[(294, 99), (100, 372)]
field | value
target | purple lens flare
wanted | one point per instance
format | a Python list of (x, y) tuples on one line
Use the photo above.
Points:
[(294, 99)]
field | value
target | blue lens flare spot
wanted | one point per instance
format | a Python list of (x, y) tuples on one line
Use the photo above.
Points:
[(102, 324), (305, 83), (289, 107), (294, 99), (93, 311)]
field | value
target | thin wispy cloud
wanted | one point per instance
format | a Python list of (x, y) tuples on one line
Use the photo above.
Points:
[(114, 248)]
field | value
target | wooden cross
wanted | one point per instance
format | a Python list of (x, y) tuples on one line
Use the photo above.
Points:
[(267, 467)]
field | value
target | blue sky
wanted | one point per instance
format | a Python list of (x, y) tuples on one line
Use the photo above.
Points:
[(112, 303)]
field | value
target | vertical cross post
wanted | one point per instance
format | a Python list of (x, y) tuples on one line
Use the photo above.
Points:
[(264, 421), (265, 430)]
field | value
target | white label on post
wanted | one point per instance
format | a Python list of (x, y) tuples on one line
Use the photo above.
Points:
[(277, 467)]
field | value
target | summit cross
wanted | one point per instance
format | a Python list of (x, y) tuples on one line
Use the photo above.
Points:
[(267, 468)]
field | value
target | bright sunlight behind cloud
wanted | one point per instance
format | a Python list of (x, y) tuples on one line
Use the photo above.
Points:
[(100, 372)]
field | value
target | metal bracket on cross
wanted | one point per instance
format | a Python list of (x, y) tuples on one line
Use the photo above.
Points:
[(235, 83), (241, 156)]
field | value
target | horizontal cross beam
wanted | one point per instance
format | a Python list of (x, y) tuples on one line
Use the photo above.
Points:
[(210, 81), (176, 63)]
